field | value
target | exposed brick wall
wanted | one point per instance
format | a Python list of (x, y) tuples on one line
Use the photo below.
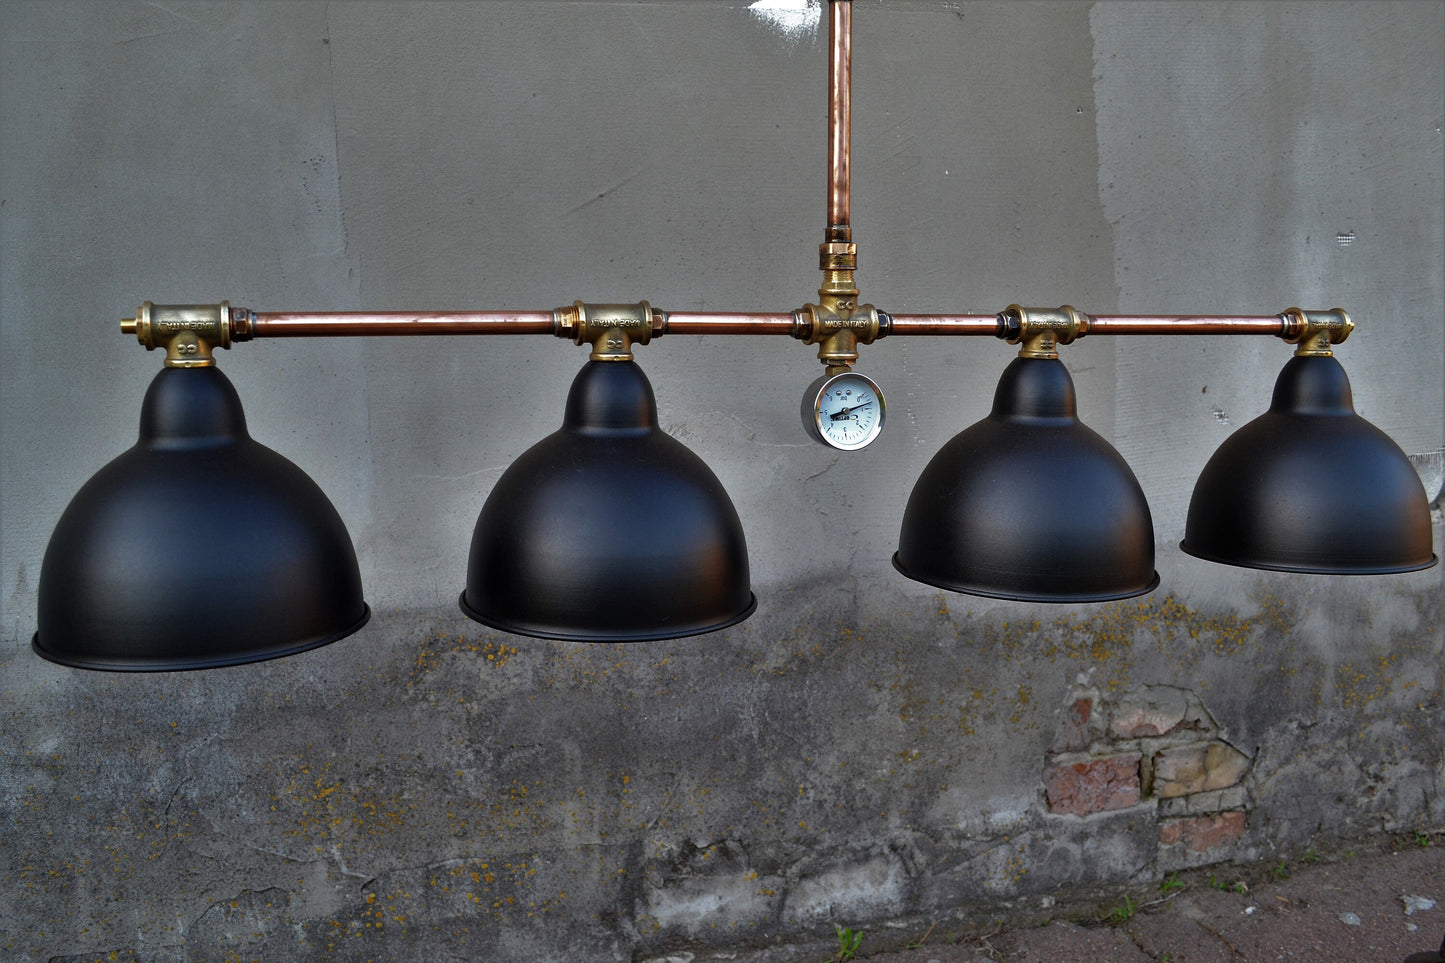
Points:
[(1151, 746)]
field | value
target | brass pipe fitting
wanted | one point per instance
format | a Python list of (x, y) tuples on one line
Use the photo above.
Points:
[(837, 327), (243, 324), (1314, 331), (611, 329), (838, 256), (1041, 330), (188, 332)]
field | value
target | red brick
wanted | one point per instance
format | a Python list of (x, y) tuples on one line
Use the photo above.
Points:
[(1093, 786), (1199, 834)]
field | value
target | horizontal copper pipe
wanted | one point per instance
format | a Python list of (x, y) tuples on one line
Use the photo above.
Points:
[(1184, 324), (702, 322), (406, 323), (274, 324), (398, 323), (944, 324), (1115, 324)]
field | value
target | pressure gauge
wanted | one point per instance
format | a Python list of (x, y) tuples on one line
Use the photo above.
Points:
[(843, 411)]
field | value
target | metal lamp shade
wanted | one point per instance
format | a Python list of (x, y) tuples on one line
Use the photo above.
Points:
[(1029, 504), (608, 530), (1310, 486), (197, 548)]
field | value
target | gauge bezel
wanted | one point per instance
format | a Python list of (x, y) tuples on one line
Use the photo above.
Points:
[(812, 410)]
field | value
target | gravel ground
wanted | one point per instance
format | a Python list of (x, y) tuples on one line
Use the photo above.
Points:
[(1379, 907)]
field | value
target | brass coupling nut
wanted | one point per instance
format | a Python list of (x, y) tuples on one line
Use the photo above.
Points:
[(611, 329), (188, 332), (838, 256), (1041, 330), (1314, 331)]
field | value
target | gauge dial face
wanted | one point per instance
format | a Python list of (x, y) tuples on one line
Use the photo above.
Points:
[(844, 411)]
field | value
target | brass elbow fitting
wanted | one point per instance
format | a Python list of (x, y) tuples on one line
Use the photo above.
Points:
[(188, 332)]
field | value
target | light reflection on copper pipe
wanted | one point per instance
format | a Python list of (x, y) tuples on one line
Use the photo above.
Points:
[(402, 323), (701, 322), (1114, 324), (944, 324), (398, 323), (405, 323), (840, 117), (1184, 324)]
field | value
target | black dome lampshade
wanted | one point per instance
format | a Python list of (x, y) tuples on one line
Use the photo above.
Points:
[(1029, 504), (608, 530), (197, 548), (1310, 486)]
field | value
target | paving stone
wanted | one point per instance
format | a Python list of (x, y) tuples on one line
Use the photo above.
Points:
[(1060, 942), (1171, 935)]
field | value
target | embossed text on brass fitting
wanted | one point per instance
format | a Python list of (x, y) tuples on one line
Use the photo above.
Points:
[(1314, 331), (188, 332), (1041, 330), (837, 333), (611, 329)]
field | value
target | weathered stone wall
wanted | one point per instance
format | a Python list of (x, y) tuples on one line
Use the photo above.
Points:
[(864, 751), (499, 798)]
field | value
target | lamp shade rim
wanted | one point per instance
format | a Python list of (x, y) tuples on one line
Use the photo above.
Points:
[(183, 664), (539, 631), (1323, 569), (993, 593)]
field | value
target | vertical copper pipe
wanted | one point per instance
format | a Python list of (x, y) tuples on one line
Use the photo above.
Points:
[(840, 117)]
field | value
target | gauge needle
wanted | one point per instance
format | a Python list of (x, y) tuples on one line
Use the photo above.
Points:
[(842, 413)]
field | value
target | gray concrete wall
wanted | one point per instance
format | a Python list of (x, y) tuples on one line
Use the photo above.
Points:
[(865, 750)]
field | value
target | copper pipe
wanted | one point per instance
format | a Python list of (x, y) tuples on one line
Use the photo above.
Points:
[(1116, 324), (703, 322), (276, 324), (1184, 324), (397, 323), (840, 117), (944, 324)]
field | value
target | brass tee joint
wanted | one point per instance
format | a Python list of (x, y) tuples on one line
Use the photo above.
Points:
[(1041, 330), (188, 332), (1312, 332), (837, 324), (611, 329), (837, 327)]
